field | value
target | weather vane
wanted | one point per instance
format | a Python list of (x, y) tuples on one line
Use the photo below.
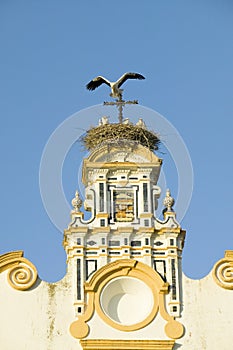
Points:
[(116, 92)]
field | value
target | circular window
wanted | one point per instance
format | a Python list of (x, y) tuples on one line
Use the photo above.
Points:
[(127, 300)]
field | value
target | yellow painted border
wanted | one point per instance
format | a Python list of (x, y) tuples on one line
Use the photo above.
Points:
[(115, 344), (127, 267), (136, 273)]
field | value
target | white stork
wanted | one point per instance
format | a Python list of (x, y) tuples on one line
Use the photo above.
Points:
[(126, 121), (116, 92), (104, 120), (141, 123)]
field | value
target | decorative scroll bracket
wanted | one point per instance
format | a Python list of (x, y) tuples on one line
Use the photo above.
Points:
[(22, 274)]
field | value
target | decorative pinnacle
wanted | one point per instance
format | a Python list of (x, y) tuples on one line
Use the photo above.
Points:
[(77, 202), (168, 201)]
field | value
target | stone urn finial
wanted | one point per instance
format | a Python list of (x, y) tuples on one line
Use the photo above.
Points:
[(168, 201), (77, 202)]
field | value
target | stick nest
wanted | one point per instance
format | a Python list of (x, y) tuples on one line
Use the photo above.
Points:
[(116, 132)]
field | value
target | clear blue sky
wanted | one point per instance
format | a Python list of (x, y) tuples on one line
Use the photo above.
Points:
[(51, 49)]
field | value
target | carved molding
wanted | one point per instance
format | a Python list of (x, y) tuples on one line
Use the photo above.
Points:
[(223, 271), (110, 344), (22, 273)]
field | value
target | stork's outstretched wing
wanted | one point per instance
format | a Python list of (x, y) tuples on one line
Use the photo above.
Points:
[(96, 82), (129, 76)]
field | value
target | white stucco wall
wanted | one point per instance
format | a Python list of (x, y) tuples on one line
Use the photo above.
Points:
[(207, 315), (40, 318)]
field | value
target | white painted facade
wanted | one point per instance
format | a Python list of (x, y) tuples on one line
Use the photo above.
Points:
[(38, 319), (124, 283)]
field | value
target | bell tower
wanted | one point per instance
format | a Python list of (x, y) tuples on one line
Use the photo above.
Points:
[(124, 237), (124, 288)]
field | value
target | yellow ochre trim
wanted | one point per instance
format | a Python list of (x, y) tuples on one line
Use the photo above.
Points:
[(168, 230), (229, 254), (102, 215), (118, 268), (79, 214), (101, 229), (169, 213), (146, 215), (79, 328), (122, 165), (22, 273), (115, 344), (132, 273), (71, 230)]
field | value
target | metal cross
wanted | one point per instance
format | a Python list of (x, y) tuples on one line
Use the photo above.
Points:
[(120, 104)]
